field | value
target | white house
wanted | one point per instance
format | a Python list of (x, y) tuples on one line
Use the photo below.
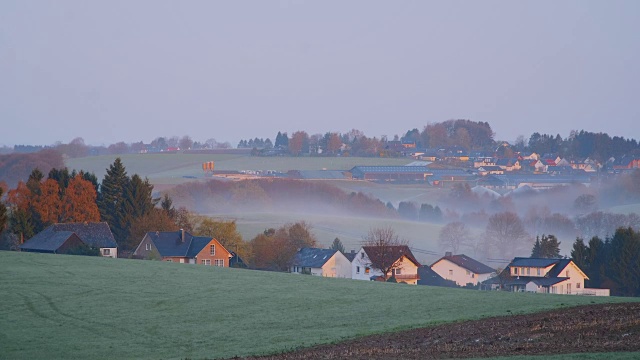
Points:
[(462, 269), (405, 267), (554, 276), (321, 262)]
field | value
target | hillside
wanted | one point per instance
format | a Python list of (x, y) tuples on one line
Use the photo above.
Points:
[(55, 306)]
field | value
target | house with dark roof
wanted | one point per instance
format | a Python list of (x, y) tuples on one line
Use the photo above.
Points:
[(321, 262), (63, 239), (404, 269), (182, 247), (462, 269), (431, 278), (540, 275)]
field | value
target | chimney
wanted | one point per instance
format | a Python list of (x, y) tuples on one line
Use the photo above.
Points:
[(448, 253), (182, 235)]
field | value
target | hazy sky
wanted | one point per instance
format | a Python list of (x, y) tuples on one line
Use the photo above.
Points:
[(134, 70)]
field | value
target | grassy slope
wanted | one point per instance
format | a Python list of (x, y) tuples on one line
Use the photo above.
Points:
[(55, 306)]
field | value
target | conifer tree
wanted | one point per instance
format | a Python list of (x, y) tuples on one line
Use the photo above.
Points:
[(337, 245), (111, 202)]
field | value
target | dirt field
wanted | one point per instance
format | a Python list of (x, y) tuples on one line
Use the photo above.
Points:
[(595, 328)]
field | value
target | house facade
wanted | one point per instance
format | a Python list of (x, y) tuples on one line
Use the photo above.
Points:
[(182, 247), (462, 269), (321, 262), (539, 275), (406, 269)]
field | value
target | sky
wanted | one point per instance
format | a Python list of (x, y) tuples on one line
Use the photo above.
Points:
[(110, 71)]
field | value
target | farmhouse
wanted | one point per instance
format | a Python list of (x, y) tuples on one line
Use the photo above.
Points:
[(405, 265), (539, 275), (321, 262), (182, 247), (70, 237), (462, 269)]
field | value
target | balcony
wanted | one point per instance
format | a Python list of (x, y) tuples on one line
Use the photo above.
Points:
[(407, 277)]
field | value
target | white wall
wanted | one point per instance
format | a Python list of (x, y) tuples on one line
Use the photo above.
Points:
[(337, 266), (362, 261), (460, 275), (113, 252)]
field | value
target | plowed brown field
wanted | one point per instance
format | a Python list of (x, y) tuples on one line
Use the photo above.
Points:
[(595, 328)]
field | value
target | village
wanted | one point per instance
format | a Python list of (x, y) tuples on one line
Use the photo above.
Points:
[(383, 261)]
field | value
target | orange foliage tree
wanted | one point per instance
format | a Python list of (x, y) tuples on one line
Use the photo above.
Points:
[(79, 202), (48, 204)]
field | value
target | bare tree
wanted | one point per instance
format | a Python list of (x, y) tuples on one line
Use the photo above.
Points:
[(453, 236), (384, 249), (505, 234)]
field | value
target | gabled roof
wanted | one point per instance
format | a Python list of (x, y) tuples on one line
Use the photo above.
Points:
[(171, 243), (468, 263), (350, 255), (312, 257), (393, 253), (47, 240), (96, 234), (533, 262)]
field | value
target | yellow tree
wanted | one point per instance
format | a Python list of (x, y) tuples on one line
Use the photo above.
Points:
[(79, 202)]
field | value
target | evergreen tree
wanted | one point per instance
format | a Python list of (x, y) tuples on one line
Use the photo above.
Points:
[(624, 261), (138, 203), (596, 257), (167, 205), (579, 253), (20, 224), (62, 176), (337, 245), (112, 197), (536, 252)]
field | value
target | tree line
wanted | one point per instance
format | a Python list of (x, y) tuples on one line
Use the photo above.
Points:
[(612, 263)]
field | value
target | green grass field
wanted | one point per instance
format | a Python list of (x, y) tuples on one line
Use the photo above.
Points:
[(74, 307)]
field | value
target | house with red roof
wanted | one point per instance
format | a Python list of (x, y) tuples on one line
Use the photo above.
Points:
[(404, 265)]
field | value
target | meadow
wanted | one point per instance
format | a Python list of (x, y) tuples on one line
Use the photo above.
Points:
[(171, 169), (75, 307)]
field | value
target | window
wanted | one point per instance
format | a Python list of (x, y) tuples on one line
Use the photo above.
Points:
[(538, 271), (181, 261), (212, 250), (398, 271), (218, 262), (206, 262), (361, 255), (450, 272), (577, 285), (528, 271), (148, 246), (473, 276), (106, 252), (567, 273), (366, 270), (515, 270), (357, 269), (168, 260)]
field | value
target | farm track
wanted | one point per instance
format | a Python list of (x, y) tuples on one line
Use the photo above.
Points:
[(584, 329)]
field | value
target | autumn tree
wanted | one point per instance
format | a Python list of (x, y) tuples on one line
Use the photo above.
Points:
[(299, 143), (453, 236), (226, 233), (381, 245), (21, 221), (79, 202), (48, 204), (3, 212), (274, 250), (333, 143), (505, 234)]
